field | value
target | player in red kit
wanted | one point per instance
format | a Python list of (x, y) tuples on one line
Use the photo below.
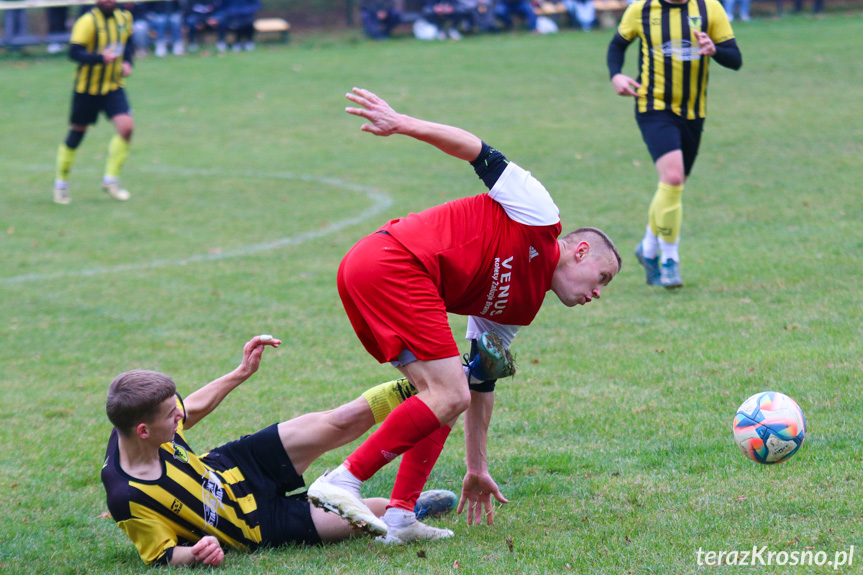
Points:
[(491, 257)]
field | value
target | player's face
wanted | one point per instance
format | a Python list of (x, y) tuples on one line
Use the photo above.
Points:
[(582, 278), (164, 424), (106, 5)]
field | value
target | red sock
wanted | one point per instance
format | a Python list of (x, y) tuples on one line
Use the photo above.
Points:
[(407, 425), (415, 469)]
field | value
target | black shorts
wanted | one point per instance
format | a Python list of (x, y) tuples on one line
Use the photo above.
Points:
[(267, 468), (86, 107), (664, 131)]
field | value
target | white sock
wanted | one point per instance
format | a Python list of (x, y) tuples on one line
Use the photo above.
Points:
[(61, 184), (650, 244), (669, 251), (109, 180), (341, 477), (399, 518)]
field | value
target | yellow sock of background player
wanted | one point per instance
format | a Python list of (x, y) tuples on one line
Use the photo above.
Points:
[(118, 151), (65, 159), (387, 396), (666, 217)]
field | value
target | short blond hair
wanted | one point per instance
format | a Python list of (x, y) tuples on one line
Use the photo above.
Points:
[(600, 239)]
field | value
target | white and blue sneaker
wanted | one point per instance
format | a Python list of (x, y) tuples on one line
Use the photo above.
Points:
[(435, 503), (670, 274), (651, 267), (403, 527)]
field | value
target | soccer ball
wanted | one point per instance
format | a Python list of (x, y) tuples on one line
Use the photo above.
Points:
[(769, 427)]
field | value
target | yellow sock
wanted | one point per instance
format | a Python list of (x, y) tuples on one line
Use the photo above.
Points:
[(65, 159), (666, 212), (118, 150), (387, 396)]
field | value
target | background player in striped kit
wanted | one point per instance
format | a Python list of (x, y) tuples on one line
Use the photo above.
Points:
[(102, 45), (678, 38)]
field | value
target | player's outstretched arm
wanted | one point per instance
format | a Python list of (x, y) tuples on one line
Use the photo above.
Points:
[(384, 121), (478, 485), (202, 402), (206, 551)]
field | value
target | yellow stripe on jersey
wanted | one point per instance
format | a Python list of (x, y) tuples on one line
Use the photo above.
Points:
[(215, 511), (152, 533), (234, 475), (95, 33), (673, 76)]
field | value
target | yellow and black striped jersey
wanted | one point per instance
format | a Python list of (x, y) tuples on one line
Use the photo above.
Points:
[(671, 72), (95, 32), (194, 497)]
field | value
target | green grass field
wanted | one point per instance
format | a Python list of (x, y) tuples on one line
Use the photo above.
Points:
[(613, 443)]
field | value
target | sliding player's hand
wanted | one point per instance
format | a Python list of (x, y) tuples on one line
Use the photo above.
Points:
[(252, 352), (208, 551)]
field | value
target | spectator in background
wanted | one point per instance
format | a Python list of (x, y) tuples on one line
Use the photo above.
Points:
[(445, 15), (140, 27), (505, 9), (163, 17), (239, 17), (744, 9), (379, 17), (14, 24), (480, 15), (582, 13), (197, 17), (57, 16), (817, 6)]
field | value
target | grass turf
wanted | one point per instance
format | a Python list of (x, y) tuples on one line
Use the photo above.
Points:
[(612, 443)]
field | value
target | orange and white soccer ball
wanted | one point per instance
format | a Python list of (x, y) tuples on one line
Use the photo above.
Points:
[(769, 427)]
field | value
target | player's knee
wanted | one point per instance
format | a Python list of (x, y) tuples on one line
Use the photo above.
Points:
[(73, 139), (674, 176), (353, 415), (456, 403)]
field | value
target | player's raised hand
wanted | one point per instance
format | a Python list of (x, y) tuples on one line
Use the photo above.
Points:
[(253, 350), (624, 85), (476, 492), (208, 551), (383, 120), (706, 47)]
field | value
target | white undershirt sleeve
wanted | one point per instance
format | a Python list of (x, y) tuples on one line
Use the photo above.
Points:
[(524, 198), (476, 326)]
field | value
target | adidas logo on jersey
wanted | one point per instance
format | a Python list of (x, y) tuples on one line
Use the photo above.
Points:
[(533, 253)]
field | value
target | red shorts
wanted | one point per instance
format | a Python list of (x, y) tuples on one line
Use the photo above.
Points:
[(392, 302)]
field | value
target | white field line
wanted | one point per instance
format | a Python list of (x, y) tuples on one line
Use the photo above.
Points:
[(380, 202)]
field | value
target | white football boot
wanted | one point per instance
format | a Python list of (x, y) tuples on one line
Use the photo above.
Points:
[(403, 527), (114, 190), (349, 506)]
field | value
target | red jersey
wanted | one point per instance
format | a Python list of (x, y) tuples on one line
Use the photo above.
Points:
[(491, 255)]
